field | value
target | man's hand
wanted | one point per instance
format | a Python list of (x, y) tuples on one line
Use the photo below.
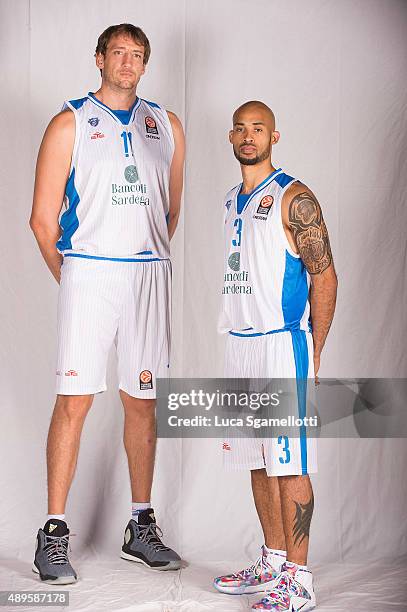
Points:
[(317, 363)]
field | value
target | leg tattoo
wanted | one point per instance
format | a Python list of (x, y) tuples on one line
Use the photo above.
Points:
[(302, 521)]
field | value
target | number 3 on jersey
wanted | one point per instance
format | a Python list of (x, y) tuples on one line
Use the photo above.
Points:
[(238, 238)]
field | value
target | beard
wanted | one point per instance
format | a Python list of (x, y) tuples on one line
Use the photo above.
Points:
[(120, 82), (252, 161), (125, 83)]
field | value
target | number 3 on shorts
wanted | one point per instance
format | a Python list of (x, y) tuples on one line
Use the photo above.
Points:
[(285, 440)]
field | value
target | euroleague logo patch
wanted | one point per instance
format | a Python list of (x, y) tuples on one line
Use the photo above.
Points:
[(146, 380), (264, 207), (151, 126)]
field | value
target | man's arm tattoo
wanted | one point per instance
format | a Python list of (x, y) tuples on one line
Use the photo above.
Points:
[(310, 233), (302, 521)]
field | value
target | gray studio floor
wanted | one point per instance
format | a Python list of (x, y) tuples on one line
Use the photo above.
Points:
[(121, 586)]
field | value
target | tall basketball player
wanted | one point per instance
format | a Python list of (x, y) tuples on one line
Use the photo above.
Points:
[(115, 163), (275, 232)]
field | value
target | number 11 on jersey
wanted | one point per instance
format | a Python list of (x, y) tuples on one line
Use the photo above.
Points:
[(126, 139)]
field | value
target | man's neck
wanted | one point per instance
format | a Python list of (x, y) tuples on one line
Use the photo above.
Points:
[(254, 175), (116, 99)]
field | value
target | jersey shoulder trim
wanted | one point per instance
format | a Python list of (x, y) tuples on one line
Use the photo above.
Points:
[(284, 179), (229, 197), (233, 191), (152, 104), (76, 104)]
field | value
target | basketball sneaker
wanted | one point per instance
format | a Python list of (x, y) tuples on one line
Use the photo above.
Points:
[(142, 544), (292, 592), (51, 556), (258, 577)]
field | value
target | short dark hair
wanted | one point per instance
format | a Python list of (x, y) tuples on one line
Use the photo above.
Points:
[(134, 32)]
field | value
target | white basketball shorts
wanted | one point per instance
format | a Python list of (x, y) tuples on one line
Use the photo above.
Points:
[(279, 355), (102, 302)]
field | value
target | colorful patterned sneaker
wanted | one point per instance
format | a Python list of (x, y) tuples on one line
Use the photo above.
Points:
[(51, 556), (292, 592), (257, 578), (143, 545)]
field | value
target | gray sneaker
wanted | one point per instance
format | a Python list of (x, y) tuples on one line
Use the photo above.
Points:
[(51, 556), (143, 545)]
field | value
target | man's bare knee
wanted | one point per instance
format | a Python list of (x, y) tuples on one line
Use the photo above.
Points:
[(294, 479), (73, 408), (259, 474), (137, 408)]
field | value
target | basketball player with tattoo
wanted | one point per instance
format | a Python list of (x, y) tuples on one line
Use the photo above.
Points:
[(277, 311), (113, 162)]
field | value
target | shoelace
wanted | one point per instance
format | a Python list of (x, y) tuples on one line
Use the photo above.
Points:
[(281, 590), (57, 549), (257, 568), (149, 536)]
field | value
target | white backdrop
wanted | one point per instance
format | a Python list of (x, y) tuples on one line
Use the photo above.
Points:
[(334, 73)]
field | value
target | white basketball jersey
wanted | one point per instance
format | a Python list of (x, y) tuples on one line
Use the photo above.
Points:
[(266, 284), (117, 195)]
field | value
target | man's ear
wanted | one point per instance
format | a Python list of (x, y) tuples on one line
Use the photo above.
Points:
[(100, 61), (275, 137)]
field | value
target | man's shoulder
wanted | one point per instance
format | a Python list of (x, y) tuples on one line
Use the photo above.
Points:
[(232, 192), (283, 178), (75, 104), (64, 121), (154, 108), (299, 199), (295, 189), (162, 112), (152, 104)]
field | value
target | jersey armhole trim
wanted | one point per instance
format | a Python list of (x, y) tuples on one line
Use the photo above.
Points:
[(170, 131), (231, 197), (68, 105)]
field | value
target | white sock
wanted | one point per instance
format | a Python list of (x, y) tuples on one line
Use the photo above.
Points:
[(274, 551), (303, 576), (59, 517), (298, 567), (137, 507), (275, 557)]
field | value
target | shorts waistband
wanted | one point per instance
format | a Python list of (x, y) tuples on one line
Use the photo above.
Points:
[(245, 333), (122, 259)]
